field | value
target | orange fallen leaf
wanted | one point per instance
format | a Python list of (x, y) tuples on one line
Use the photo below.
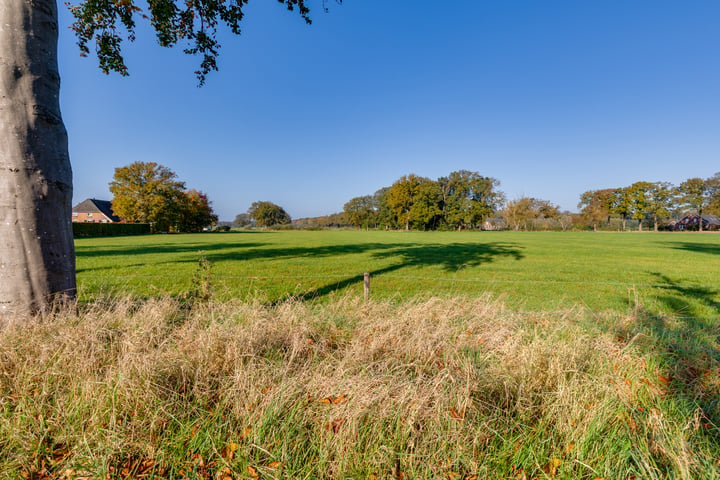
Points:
[(335, 425), (631, 423), (275, 465), (330, 400), (664, 379), (518, 473), (457, 415), (253, 472), (552, 466), (569, 447), (229, 450)]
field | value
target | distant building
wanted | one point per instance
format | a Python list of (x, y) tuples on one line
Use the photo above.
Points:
[(94, 211), (691, 222)]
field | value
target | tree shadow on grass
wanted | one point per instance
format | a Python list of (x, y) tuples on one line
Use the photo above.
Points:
[(90, 251), (686, 299), (696, 247), (450, 257), (687, 345)]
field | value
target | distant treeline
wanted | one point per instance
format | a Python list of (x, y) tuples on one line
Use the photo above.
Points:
[(465, 200)]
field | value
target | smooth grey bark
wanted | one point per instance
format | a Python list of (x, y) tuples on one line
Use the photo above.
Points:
[(37, 258)]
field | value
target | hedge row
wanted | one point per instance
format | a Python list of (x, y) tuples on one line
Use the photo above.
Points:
[(109, 229)]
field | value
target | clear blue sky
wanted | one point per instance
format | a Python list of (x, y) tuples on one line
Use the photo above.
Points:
[(551, 97)]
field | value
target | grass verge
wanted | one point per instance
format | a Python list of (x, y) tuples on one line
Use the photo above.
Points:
[(457, 388)]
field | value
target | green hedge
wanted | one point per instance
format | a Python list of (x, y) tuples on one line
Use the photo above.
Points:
[(109, 229)]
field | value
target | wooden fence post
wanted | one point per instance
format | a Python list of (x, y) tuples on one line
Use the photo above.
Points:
[(367, 286)]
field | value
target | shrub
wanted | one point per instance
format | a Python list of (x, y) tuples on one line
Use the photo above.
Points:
[(109, 229)]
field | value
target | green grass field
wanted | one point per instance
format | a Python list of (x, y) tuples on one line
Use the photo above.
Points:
[(658, 272), (478, 385)]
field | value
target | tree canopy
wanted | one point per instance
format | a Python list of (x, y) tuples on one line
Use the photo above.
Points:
[(361, 211), (196, 212), (268, 214), (146, 192), (192, 23)]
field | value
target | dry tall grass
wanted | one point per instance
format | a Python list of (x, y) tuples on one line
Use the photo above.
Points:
[(440, 388)]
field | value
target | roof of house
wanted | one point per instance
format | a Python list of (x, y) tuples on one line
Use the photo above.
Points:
[(708, 219), (92, 205), (711, 219)]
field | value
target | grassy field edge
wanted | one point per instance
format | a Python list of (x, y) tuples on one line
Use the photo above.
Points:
[(457, 388)]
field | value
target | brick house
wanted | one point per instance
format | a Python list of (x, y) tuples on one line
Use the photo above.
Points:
[(94, 211), (691, 222)]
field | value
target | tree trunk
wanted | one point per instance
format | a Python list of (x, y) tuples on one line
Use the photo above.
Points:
[(700, 225), (37, 258)]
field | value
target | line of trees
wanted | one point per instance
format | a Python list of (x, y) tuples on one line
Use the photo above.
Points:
[(146, 192), (652, 202), (465, 200), (461, 200)]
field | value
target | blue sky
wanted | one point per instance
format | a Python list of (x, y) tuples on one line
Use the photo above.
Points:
[(550, 97)]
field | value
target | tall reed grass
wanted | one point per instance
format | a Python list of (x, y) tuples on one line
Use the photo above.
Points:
[(436, 388)]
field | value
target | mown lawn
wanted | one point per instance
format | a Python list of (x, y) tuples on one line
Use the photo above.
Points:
[(657, 272)]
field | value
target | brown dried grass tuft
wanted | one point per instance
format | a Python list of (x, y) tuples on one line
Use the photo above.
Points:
[(425, 389)]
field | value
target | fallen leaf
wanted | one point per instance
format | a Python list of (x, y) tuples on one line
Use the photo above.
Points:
[(253, 472), (246, 432), (631, 423), (552, 466), (339, 399), (275, 465), (229, 450), (518, 473), (457, 415), (664, 379), (335, 425)]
